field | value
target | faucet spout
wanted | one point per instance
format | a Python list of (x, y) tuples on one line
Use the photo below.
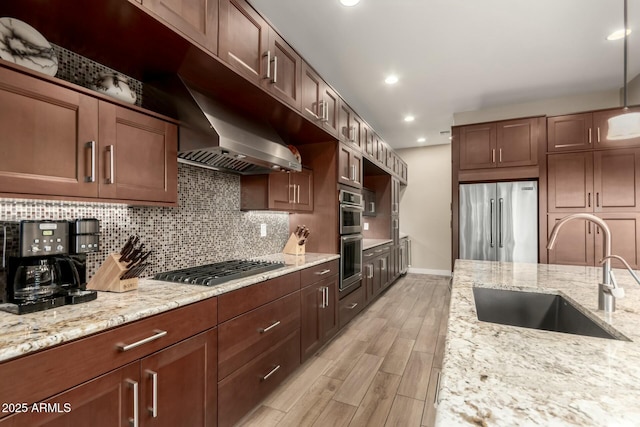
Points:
[(606, 300)]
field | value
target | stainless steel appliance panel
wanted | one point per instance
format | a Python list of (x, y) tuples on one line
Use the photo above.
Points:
[(478, 220), (518, 221)]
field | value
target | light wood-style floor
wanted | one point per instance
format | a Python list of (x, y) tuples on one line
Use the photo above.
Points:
[(381, 369)]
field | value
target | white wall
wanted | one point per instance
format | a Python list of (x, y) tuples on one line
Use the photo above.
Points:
[(425, 208)]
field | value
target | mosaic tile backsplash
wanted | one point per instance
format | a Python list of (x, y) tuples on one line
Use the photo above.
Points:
[(206, 227)]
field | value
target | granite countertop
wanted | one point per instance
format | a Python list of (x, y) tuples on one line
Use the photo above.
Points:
[(372, 243), (22, 334), (499, 375)]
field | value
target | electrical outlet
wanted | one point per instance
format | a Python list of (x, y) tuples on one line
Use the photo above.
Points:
[(366, 226), (263, 230)]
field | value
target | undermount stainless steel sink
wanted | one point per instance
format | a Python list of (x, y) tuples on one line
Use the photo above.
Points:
[(535, 310)]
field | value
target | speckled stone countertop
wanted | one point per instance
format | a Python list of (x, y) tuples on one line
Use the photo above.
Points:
[(497, 375), (22, 334), (372, 243)]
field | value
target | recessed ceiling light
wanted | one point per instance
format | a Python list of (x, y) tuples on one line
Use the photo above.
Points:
[(617, 35), (422, 139), (349, 2), (391, 79), (409, 118)]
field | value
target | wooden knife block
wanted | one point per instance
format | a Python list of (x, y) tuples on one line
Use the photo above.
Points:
[(292, 247), (107, 278)]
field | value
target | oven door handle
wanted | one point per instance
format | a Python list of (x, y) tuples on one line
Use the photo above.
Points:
[(351, 238)]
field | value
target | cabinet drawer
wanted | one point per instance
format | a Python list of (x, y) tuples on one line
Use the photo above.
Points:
[(351, 305), (237, 302), (311, 275), (245, 388), (247, 336), (67, 365)]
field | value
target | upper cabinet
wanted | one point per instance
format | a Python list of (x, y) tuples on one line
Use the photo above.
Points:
[(196, 19), (349, 166), (584, 131), (284, 73), (350, 126), (500, 144), (320, 103), (59, 142), (280, 191)]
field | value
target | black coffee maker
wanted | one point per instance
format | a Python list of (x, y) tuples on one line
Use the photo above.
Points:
[(37, 271)]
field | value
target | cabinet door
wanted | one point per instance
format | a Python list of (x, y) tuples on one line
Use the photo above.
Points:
[(575, 243), (179, 383), (331, 109), (381, 153), (196, 19), (601, 124), (617, 180), (285, 72), (344, 122), (572, 132), (356, 167), (368, 141), (49, 137), (330, 309), (478, 146), (570, 182), (311, 94), (303, 189), (625, 239), (280, 191), (311, 299), (345, 170), (243, 39), (385, 261), (356, 136), (367, 280), (106, 401), (138, 156), (395, 196), (517, 142)]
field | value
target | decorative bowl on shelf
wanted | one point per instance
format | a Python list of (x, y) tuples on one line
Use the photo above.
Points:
[(23, 45), (114, 85)]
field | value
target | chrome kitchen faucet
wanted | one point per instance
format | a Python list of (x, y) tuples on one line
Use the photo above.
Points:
[(608, 290)]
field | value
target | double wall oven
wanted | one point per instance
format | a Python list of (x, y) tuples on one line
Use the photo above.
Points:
[(351, 210)]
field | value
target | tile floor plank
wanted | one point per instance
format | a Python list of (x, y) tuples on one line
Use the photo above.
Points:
[(415, 379), (335, 414), (396, 359), (385, 340), (357, 382), (309, 407), (375, 406), (263, 416), (405, 412)]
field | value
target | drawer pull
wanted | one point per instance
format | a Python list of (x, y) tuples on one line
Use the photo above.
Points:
[(134, 384), (153, 410), (270, 327), (323, 272), (379, 250), (370, 254), (158, 334), (271, 372), (352, 306)]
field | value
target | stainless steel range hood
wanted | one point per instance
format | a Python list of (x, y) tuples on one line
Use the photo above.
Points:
[(216, 137)]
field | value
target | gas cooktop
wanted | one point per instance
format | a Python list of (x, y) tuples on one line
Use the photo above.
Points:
[(215, 274)]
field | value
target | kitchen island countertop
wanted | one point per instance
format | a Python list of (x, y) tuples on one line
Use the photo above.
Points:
[(499, 375), (22, 334)]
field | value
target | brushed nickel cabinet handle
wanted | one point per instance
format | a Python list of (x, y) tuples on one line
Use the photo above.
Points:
[(274, 80), (134, 384), (590, 136), (322, 291), (92, 176), (270, 327), (323, 272), (373, 207), (589, 199), (598, 133), (493, 155), (268, 56), (597, 199), (353, 172), (500, 155), (112, 150), (324, 117), (126, 347), (153, 409), (271, 372), (352, 306), (370, 269), (298, 194)]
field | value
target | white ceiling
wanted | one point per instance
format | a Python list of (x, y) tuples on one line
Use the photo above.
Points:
[(455, 55)]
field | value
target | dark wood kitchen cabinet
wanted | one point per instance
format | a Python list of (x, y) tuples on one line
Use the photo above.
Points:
[(280, 191), (48, 135), (320, 103), (319, 307), (500, 144), (349, 166), (350, 126), (581, 243), (60, 142), (196, 19), (140, 156), (599, 181), (601, 125), (285, 74)]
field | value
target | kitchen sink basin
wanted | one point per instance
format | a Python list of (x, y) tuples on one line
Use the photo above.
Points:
[(535, 310)]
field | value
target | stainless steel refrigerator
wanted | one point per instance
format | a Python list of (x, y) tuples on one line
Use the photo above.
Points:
[(499, 221)]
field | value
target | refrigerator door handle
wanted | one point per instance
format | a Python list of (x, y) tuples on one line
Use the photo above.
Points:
[(500, 203), (491, 222)]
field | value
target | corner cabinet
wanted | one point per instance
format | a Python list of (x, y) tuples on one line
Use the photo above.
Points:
[(61, 142)]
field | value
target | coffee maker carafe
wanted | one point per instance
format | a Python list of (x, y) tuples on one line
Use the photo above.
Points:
[(36, 278)]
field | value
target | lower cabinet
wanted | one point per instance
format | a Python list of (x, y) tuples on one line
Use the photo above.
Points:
[(376, 276), (351, 305), (319, 319)]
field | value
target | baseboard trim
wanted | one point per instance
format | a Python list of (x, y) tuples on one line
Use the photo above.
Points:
[(429, 271)]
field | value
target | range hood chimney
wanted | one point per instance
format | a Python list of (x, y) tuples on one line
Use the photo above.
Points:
[(216, 137)]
